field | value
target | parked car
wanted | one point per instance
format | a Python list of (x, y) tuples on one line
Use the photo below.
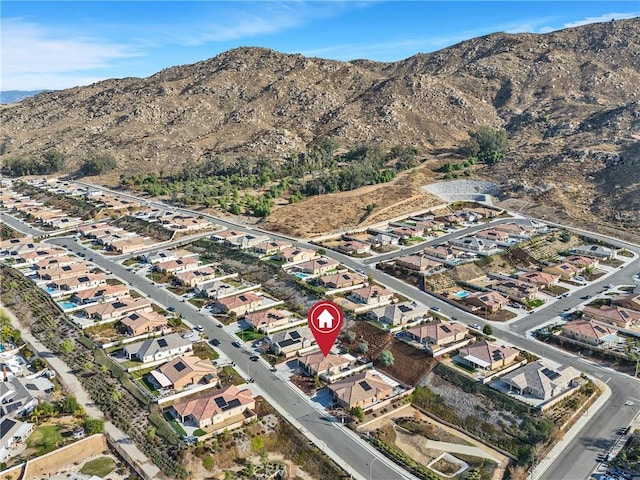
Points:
[(475, 326), (215, 342), (585, 297), (435, 309), (171, 309), (273, 368), (254, 358), (199, 328), (236, 344)]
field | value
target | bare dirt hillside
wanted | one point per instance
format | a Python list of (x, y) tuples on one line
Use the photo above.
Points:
[(570, 101)]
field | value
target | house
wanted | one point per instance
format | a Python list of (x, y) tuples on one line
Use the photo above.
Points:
[(515, 230), (595, 251), (19, 396), (179, 265), (341, 279), (224, 408), (288, 342), (494, 235), (407, 232), (418, 263), (270, 247), (83, 282), (13, 434), (295, 255), (487, 302), (316, 364), (384, 239), (90, 231), (139, 323), (158, 257), (216, 289), (630, 301), (158, 348), (450, 220), (101, 293), (442, 252), (429, 225), (360, 390), (582, 262), (112, 311), (184, 371), (186, 223), (265, 320), (476, 245), (522, 292), (485, 355), (246, 241), (352, 247), (613, 314), (317, 266), (55, 262), (588, 332), (541, 381), (240, 303), (438, 333), (541, 279), (398, 313), (34, 256), (224, 235), (68, 271), (564, 270), (191, 278), (128, 245), (372, 295)]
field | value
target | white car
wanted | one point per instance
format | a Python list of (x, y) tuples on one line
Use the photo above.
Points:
[(475, 326)]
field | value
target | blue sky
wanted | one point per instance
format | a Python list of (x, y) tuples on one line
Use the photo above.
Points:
[(64, 44)]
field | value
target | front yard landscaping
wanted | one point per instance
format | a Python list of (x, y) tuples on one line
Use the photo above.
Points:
[(100, 467)]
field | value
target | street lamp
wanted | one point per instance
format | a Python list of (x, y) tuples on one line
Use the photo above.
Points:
[(371, 466)]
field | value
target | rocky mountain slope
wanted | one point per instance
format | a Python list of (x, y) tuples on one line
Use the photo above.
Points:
[(568, 99)]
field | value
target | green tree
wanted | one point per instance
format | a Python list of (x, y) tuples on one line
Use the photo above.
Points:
[(257, 443), (386, 358), (97, 164), (93, 425), (69, 404), (487, 330), (351, 335), (357, 412), (487, 144), (363, 347), (67, 346), (151, 432), (208, 462)]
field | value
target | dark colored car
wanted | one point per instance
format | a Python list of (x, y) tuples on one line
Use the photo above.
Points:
[(236, 344), (215, 342), (171, 309), (254, 358)]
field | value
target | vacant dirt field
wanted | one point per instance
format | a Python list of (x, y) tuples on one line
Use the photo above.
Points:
[(410, 364), (337, 211)]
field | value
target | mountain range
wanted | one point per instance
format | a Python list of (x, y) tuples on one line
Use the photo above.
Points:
[(569, 101)]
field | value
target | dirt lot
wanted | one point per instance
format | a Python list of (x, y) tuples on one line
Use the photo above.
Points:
[(410, 364), (327, 213), (421, 446)]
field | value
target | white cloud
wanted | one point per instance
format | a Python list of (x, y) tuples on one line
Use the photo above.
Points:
[(32, 53), (602, 18)]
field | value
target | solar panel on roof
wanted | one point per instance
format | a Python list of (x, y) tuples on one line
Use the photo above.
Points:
[(220, 402), (445, 329), (119, 305), (365, 386), (550, 374), (404, 308), (180, 366), (295, 335), (163, 343), (233, 403)]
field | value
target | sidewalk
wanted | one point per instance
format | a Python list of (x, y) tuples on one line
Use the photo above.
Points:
[(572, 433), (72, 384)]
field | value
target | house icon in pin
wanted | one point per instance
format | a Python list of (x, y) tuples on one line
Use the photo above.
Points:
[(325, 320)]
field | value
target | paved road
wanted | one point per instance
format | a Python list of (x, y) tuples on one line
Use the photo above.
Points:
[(580, 455), (19, 225)]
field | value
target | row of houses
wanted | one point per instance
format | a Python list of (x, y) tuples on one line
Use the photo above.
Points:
[(36, 211), (113, 238)]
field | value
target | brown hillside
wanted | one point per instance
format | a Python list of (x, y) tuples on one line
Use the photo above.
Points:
[(568, 99)]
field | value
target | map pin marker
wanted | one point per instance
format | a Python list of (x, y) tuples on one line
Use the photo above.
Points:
[(325, 321)]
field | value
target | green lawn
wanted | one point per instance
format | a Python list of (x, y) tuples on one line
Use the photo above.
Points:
[(198, 302), (535, 303), (249, 335), (131, 261), (45, 439), (146, 384), (100, 467), (466, 368)]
